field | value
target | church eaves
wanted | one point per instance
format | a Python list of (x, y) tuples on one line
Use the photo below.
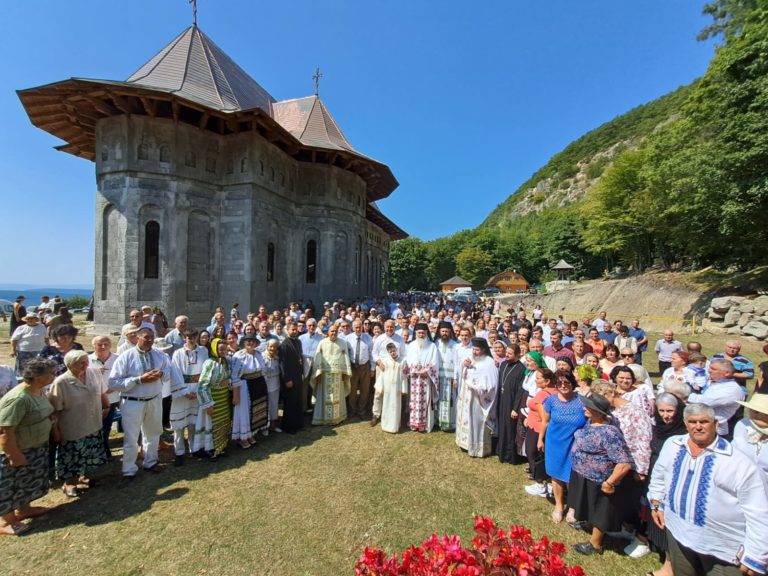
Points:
[(194, 67)]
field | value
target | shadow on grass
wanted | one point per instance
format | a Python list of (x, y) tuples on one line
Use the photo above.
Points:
[(114, 500)]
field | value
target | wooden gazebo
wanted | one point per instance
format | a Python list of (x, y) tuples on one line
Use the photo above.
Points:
[(564, 270)]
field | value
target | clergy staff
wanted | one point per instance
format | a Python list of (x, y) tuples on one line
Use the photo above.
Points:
[(475, 418), (331, 379), (511, 398), (423, 364)]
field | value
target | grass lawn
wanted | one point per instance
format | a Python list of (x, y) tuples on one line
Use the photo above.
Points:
[(298, 505)]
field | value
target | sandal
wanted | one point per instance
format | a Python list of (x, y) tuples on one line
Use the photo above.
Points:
[(70, 491), (14, 529), (557, 516)]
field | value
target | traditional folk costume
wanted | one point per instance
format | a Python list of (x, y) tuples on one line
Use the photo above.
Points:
[(422, 363), (291, 369), (184, 410), (475, 418), (213, 391), (250, 415), (142, 404), (331, 382), (510, 396), (447, 352)]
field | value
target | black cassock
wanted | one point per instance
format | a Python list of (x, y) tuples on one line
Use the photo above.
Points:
[(510, 396), (291, 370)]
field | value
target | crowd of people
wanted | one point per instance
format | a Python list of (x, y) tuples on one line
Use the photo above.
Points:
[(675, 465)]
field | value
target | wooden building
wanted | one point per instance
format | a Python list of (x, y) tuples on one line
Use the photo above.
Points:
[(508, 282), (452, 283)]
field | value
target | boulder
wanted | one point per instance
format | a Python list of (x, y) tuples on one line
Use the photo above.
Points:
[(760, 305), (756, 329), (722, 305), (734, 330), (731, 317), (747, 307), (712, 315), (745, 319)]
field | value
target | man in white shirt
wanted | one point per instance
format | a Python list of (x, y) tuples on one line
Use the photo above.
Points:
[(712, 501), (359, 345), (176, 336), (139, 374), (102, 360), (723, 395), (309, 341)]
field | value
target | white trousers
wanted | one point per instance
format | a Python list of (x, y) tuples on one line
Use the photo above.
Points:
[(145, 418), (178, 439)]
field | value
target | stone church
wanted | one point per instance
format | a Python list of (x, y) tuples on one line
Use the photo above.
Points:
[(209, 191)]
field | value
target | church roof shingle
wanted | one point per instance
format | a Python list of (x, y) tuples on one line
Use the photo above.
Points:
[(194, 67)]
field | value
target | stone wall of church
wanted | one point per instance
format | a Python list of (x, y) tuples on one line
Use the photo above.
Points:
[(189, 220)]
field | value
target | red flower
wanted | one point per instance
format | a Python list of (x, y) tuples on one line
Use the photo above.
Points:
[(494, 552)]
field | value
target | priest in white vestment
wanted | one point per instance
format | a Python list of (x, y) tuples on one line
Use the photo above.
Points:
[(447, 351), (474, 409), (331, 379), (423, 364)]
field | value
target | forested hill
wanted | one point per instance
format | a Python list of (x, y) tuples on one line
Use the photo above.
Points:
[(681, 181), (571, 173)]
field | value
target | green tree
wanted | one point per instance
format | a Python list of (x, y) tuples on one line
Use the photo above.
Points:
[(407, 261), (474, 265)]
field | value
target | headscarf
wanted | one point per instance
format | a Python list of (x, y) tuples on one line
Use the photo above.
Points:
[(661, 430), (536, 357), (215, 347), (586, 372)]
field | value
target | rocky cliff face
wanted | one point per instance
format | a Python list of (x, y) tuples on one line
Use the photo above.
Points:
[(563, 189)]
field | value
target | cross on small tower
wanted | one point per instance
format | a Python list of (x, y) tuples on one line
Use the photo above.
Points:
[(316, 77), (194, 12)]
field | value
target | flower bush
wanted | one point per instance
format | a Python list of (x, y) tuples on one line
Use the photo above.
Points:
[(494, 552)]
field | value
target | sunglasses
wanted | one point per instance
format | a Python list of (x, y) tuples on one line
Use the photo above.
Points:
[(627, 355)]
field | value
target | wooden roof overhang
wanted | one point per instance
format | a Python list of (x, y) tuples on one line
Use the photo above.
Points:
[(71, 108), (375, 216)]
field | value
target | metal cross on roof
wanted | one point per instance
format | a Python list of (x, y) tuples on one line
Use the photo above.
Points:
[(194, 12), (316, 77)]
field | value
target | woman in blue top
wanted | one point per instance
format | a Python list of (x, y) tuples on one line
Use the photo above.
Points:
[(563, 415)]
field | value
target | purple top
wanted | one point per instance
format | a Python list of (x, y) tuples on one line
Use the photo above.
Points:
[(596, 451)]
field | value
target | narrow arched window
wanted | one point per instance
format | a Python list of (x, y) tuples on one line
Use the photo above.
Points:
[(270, 262), (311, 262), (152, 250)]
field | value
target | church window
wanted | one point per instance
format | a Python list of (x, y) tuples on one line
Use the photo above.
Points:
[(142, 152), (272, 174), (270, 262), (210, 164), (243, 165), (165, 153), (261, 167), (152, 250), (311, 262), (104, 154), (190, 159)]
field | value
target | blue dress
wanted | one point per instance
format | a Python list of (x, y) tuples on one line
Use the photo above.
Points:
[(564, 419)]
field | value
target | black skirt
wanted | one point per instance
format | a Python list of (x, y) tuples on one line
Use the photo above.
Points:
[(590, 504)]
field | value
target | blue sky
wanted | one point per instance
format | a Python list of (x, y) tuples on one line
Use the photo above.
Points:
[(464, 100)]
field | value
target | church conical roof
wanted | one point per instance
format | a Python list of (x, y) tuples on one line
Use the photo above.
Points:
[(308, 120), (194, 67)]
